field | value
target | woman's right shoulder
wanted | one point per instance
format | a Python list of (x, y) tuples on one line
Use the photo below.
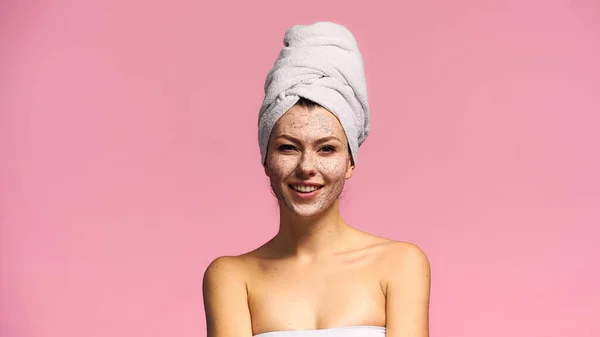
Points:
[(235, 268), (225, 267), (226, 297), (232, 267)]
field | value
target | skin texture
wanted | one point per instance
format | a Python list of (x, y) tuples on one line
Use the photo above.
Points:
[(317, 272), (308, 146)]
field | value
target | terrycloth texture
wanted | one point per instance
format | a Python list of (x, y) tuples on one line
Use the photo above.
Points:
[(320, 62), (345, 331)]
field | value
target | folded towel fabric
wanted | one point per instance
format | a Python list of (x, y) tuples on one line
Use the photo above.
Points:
[(320, 62)]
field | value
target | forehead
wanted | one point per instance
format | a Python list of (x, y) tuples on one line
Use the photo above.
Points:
[(304, 123)]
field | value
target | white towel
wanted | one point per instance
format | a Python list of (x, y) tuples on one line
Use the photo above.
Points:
[(320, 62)]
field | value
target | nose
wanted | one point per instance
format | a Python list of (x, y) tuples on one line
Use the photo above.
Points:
[(306, 166)]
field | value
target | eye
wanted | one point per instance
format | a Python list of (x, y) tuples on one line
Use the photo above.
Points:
[(328, 148), (286, 147)]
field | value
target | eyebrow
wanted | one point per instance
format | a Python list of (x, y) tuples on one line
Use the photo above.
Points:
[(318, 141)]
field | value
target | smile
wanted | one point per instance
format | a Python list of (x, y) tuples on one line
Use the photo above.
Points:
[(304, 188)]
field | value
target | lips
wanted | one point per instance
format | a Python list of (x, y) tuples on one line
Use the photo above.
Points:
[(305, 188)]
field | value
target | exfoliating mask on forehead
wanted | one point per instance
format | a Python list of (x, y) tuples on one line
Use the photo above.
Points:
[(320, 62)]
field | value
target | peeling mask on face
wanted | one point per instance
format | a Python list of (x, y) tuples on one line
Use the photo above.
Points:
[(308, 160)]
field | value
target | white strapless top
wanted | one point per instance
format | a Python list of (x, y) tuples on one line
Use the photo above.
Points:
[(345, 331)]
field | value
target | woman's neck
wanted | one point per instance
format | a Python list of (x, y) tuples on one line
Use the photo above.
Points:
[(308, 238)]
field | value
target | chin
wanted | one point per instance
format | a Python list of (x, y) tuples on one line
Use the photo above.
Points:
[(305, 211)]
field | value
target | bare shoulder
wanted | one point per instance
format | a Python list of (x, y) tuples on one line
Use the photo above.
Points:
[(223, 271), (401, 258), (406, 252), (407, 289), (225, 298), (227, 272), (395, 255), (224, 267)]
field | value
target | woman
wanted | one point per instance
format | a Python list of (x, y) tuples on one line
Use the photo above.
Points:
[(318, 276)]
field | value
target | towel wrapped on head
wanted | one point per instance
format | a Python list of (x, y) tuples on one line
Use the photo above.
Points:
[(319, 62)]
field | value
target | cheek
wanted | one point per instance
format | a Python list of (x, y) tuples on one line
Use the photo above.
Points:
[(281, 167), (333, 169)]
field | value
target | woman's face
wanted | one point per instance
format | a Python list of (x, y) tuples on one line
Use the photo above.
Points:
[(308, 160)]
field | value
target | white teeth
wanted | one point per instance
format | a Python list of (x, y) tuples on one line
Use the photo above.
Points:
[(305, 189)]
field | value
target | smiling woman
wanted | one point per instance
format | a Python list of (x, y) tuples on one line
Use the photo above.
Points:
[(318, 276), (308, 160)]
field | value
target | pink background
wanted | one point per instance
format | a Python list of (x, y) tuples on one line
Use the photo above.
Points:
[(129, 157)]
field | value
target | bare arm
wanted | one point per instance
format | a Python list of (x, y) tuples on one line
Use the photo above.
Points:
[(408, 288), (226, 299)]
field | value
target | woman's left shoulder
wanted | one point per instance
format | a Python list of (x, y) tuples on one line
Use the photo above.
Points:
[(406, 255)]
